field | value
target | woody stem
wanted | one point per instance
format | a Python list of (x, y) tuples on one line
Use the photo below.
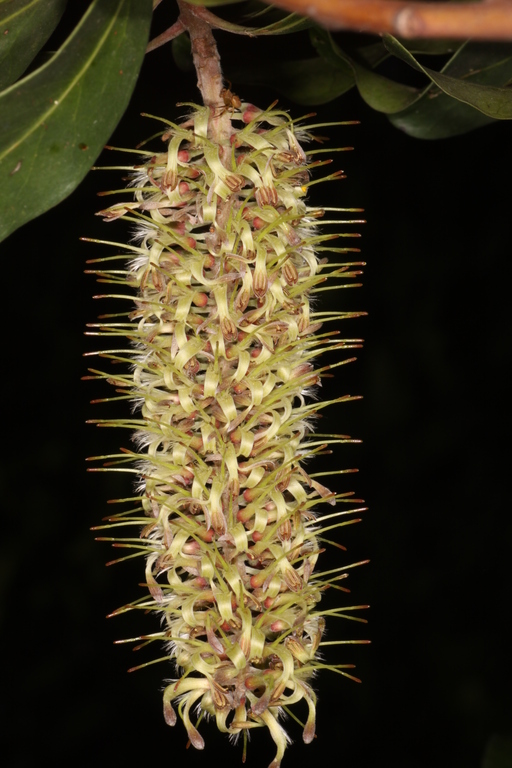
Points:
[(484, 20), (209, 74)]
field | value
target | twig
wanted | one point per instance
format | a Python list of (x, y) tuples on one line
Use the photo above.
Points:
[(216, 22), (209, 74), (169, 34), (485, 20)]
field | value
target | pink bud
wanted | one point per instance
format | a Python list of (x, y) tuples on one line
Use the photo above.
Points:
[(250, 113), (278, 626)]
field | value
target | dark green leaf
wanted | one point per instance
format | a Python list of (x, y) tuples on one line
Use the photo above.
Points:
[(369, 55), (56, 120), (288, 24), (182, 53), (481, 62), (25, 26), (438, 116), (379, 92), (469, 92), (431, 47), (277, 22), (256, 9), (473, 89), (307, 82), (284, 24)]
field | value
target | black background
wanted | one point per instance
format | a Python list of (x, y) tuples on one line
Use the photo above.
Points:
[(435, 469)]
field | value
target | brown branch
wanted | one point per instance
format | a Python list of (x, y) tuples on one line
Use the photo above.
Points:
[(484, 20), (169, 34), (209, 74)]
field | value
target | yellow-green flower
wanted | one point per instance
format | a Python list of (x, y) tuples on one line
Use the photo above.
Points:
[(223, 337)]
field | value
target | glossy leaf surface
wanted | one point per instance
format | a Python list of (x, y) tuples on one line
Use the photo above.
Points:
[(58, 118), (379, 92), (25, 26), (469, 92)]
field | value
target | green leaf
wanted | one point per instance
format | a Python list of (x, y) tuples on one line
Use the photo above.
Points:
[(439, 117), (379, 92), (429, 47), (369, 55), (182, 53), (281, 23), (307, 82), (468, 92), (25, 26), (288, 24), (57, 119)]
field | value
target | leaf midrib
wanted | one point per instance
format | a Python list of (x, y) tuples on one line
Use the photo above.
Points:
[(19, 12), (73, 82)]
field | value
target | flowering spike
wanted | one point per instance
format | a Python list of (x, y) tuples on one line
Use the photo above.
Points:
[(222, 340)]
